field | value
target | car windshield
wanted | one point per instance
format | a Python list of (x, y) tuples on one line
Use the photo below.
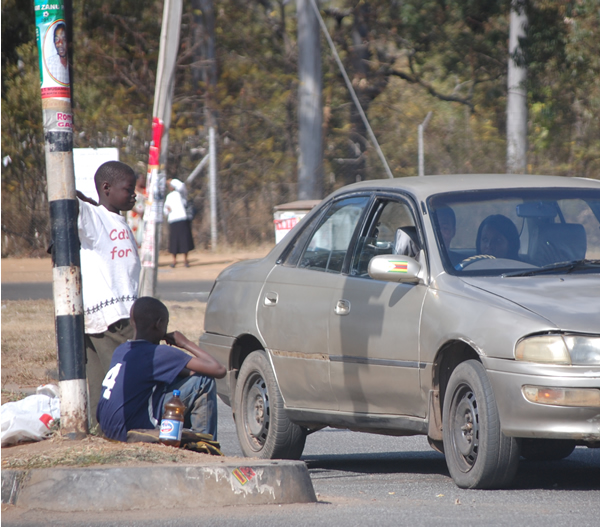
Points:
[(518, 232)]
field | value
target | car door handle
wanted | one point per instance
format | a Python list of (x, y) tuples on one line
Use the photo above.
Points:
[(271, 298), (342, 307)]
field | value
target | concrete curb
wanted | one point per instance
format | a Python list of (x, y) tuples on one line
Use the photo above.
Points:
[(160, 486)]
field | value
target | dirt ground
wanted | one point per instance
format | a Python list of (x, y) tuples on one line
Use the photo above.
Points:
[(29, 360)]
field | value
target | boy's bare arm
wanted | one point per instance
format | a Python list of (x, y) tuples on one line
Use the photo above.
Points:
[(202, 362), (83, 197)]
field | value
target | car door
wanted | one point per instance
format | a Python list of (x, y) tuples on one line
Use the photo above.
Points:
[(374, 325), (293, 310)]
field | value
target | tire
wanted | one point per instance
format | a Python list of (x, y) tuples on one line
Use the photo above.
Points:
[(263, 428), (546, 449), (478, 454)]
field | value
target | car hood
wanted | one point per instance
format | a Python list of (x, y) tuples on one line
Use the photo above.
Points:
[(569, 302)]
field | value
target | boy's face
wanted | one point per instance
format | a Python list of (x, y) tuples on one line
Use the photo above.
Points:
[(121, 194)]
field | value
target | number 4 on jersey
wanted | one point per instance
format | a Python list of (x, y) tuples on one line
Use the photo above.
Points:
[(110, 379)]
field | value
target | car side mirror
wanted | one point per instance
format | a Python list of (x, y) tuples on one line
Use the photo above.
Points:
[(395, 268)]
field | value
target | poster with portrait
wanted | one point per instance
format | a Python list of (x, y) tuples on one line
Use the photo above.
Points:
[(51, 32)]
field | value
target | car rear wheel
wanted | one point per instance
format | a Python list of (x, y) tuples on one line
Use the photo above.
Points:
[(478, 454), (263, 428), (546, 449)]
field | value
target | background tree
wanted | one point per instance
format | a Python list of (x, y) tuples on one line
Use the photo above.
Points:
[(405, 58)]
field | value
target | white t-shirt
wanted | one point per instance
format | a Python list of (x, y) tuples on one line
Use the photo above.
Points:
[(110, 266), (174, 207)]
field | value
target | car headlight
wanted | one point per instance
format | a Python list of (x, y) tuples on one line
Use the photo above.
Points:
[(559, 349)]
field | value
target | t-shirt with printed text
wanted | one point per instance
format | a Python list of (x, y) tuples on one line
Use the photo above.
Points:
[(110, 267), (133, 389)]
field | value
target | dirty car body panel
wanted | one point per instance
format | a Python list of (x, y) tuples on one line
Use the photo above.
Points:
[(465, 308)]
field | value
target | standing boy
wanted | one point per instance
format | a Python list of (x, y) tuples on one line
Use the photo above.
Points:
[(143, 372), (110, 269)]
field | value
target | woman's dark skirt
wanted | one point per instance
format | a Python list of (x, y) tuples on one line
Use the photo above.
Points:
[(180, 237)]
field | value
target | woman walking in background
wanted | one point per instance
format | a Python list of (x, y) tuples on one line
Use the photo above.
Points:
[(180, 230)]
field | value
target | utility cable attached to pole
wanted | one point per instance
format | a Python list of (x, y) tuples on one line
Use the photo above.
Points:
[(351, 90)]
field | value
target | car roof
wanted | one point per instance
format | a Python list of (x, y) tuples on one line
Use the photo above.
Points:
[(424, 186)]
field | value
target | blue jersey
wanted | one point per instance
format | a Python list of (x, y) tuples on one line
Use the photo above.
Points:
[(133, 389)]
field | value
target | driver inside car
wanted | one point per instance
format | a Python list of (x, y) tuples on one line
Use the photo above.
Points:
[(498, 236)]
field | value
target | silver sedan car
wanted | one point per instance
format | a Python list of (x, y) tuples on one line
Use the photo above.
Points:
[(464, 308)]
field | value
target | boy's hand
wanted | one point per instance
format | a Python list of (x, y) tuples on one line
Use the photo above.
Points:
[(176, 338), (202, 362), (169, 338)]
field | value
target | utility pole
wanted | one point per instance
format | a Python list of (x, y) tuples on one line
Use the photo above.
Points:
[(349, 86), (161, 113), (516, 107), (51, 33), (310, 105), (422, 127), (206, 72), (212, 158)]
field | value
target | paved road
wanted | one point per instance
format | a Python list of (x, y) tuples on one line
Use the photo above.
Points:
[(168, 290), (363, 479)]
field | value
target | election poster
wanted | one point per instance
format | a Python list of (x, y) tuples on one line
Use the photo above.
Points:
[(51, 33)]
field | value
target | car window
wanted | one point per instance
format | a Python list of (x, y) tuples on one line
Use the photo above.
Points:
[(326, 250), (391, 230), (506, 231)]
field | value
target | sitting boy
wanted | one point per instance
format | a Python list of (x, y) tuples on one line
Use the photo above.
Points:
[(143, 374)]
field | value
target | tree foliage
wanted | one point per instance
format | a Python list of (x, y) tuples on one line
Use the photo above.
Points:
[(405, 58)]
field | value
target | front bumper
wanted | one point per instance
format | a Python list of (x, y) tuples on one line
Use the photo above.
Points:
[(522, 418)]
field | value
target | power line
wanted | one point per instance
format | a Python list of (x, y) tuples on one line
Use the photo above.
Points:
[(351, 90)]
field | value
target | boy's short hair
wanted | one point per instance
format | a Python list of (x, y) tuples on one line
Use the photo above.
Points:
[(110, 172), (146, 310)]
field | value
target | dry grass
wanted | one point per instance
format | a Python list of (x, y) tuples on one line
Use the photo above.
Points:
[(93, 451), (29, 344), (29, 360)]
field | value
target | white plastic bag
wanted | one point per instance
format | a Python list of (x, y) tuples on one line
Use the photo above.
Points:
[(30, 419)]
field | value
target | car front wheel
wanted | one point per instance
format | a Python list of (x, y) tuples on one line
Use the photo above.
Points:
[(478, 454), (263, 428)]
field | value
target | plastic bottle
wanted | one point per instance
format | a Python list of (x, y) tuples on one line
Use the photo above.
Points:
[(171, 425)]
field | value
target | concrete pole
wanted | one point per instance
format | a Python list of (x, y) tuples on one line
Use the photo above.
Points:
[(163, 96), (516, 106), (51, 35), (212, 158), (310, 105), (422, 127), (198, 169)]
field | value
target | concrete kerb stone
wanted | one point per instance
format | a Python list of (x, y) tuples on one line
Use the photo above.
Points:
[(161, 486)]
